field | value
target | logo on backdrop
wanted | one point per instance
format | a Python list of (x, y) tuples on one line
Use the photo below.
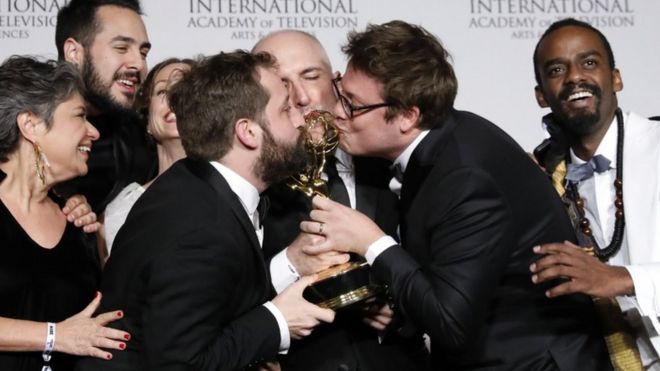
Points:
[(18, 18), (253, 19), (527, 19)]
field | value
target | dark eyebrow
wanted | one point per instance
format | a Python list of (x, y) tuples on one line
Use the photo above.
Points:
[(130, 40), (589, 53), (553, 61), (581, 55), (161, 81), (347, 94)]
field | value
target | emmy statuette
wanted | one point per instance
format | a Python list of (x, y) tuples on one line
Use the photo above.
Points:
[(345, 284)]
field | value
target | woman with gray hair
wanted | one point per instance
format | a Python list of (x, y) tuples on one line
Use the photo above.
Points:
[(47, 276)]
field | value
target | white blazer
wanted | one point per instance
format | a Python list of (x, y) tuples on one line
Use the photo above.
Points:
[(641, 203)]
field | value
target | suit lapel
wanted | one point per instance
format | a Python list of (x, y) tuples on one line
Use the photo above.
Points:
[(423, 159), (421, 162), (212, 177), (366, 197)]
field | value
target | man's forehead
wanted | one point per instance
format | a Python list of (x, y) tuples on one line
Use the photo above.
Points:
[(569, 37), (295, 51), (359, 83), (118, 19)]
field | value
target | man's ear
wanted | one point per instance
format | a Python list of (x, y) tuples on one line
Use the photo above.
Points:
[(248, 133), (540, 98), (409, 119), (29, 126), (617, 81), (74, 52)]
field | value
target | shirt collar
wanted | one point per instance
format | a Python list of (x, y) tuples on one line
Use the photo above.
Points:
[(404, 157), (246, 192), (607, 146), (344, 160)]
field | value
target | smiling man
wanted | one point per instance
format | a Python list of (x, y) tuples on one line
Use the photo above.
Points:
[(472, 206), (107, 41), (608, 179)]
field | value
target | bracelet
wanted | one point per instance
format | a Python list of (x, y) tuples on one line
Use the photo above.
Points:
[(50, 342)]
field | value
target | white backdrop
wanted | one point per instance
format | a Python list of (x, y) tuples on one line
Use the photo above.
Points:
[(491, 41)]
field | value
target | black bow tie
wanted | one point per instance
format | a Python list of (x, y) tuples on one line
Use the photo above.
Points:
[(578, 173)]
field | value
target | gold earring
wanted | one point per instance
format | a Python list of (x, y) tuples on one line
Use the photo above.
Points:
[(40, 162)]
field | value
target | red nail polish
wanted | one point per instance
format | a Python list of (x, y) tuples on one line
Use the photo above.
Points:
[(127, 337), (109, 356), (120, 314), (122, 345)]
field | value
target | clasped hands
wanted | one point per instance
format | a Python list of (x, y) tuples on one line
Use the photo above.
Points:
[(343, 229), (332, 232)]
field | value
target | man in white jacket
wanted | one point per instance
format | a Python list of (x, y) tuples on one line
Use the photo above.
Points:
[(606, 166)]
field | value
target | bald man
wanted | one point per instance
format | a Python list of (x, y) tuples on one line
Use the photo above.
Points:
[(359, 339)]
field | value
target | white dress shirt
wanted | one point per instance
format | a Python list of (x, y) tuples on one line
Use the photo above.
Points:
[(385, 242), (249, 197)]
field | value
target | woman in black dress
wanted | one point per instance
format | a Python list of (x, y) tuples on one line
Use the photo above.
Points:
[(47, 276)]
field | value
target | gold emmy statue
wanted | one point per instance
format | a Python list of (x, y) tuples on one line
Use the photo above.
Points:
[(345, 284)]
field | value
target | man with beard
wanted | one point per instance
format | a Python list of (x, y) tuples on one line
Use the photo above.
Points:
[(349, 343), (608, 180), (472, 206), (187, 267), (107, 41)]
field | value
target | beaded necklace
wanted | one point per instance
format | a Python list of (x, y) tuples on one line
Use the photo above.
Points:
[(604, 254)]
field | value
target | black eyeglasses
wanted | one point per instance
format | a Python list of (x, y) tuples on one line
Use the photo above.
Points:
[(349, 108)]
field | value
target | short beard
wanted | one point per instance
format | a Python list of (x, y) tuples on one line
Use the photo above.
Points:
[(582, 122), (279, 161), (99, 95)]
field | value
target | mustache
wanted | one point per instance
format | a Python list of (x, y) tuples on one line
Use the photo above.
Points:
[(571, 88), (128, 75)]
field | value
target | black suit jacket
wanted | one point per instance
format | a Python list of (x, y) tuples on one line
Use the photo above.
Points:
[(189, 274), (473, 207), (347, 343), (120, 156)]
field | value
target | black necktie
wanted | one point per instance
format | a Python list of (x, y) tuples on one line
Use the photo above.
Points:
[(262, 209), (336, 186)]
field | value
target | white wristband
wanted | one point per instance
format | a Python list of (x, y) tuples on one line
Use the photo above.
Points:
[(50, 342)]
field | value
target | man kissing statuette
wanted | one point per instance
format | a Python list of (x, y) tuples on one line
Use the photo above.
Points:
[(345, 284)]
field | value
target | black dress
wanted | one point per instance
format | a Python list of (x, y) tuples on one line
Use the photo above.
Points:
[(45, 285)]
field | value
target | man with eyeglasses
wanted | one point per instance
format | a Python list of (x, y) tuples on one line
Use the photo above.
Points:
[(472, 207), (349, 343)]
